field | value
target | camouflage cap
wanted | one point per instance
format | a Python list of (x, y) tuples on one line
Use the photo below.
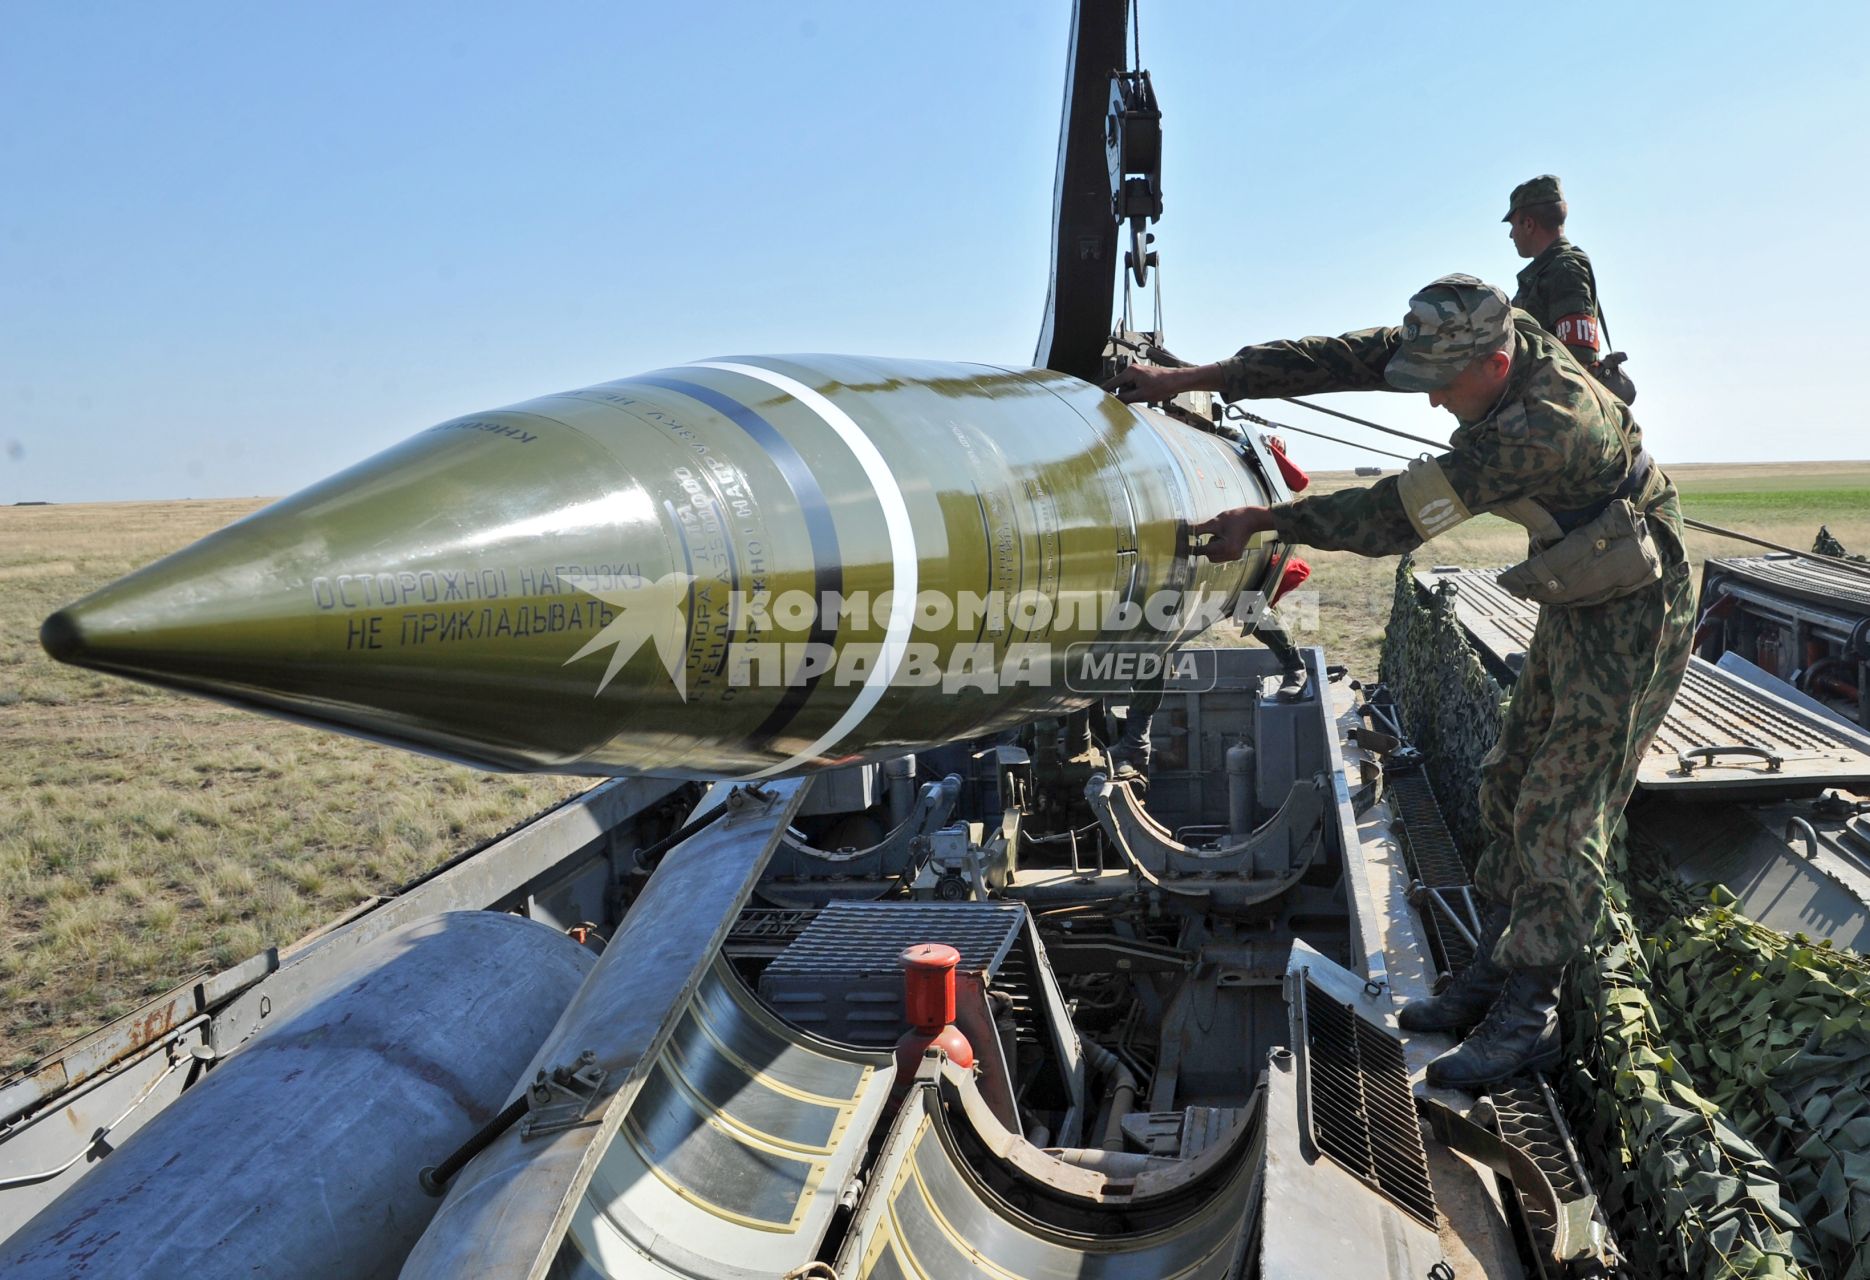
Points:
[(1543, 189), (1449, 324)]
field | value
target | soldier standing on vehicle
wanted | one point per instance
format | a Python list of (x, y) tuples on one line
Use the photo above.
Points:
[(1557, 288), (1544, 445)]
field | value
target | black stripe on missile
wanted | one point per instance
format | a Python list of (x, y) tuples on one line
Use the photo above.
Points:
[(827, 564)]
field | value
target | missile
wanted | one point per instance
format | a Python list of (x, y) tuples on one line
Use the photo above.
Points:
[(739, 568)]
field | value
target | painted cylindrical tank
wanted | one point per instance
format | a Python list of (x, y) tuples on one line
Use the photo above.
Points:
[(297, 1158), (737, 568), (1240, 790)]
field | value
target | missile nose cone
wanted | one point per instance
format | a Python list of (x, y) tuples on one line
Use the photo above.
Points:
[(430, 597), (63, 638)]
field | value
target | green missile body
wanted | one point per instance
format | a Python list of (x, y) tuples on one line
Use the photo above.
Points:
[(730, 569)]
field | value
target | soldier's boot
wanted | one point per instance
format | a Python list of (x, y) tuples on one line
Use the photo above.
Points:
[(1461, 1005), (1518, 1035), (1291, 684), (1129, 758)]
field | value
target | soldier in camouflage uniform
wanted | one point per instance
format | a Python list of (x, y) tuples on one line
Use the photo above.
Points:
[(1543, 444), (1557, 288)]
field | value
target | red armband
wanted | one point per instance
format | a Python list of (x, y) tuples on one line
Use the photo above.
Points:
[(1578, 330)]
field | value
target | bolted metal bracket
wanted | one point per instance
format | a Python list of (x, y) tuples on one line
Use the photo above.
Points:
[(560, 1099)]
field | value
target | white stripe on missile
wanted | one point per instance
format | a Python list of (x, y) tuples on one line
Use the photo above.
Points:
[(902, 554)]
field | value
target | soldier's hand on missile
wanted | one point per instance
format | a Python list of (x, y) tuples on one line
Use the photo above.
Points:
[(1145, 383), (1227, 533)]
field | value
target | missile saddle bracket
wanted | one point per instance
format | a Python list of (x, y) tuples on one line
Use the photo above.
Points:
[(798, 872), (1255, 870)]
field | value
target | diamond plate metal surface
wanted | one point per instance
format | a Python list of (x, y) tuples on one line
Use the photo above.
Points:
[(1526, 1115)]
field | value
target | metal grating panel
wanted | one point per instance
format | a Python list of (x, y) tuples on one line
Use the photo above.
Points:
[(1432, 856), (1715, 706), (1713, 709), (767, 931), (849, 938), (1359, 1109), (842, 977), (1526, 1115), (1437, 863)]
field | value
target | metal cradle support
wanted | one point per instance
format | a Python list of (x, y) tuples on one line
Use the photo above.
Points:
[(1229, 876), (800, 875)]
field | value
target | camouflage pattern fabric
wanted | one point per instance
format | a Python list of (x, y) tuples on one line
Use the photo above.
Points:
[(1555, 284), (1449, 323), (1597, 679), (1825, 544), (1353, 362), (1686, 1193), (1585, 709), (1544, 189), (1556, 437)]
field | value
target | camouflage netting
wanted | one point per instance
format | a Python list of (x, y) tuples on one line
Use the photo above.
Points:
[(1450, 706), (1687, 1194), (1826, 545), (1778, 1031)]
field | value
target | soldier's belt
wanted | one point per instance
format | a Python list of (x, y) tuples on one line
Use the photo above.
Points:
[(1632, 485)]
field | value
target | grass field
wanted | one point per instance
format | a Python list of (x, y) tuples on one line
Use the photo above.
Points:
[(147, 835)]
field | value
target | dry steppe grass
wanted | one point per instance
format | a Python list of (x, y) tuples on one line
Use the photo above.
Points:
[(144, 835)]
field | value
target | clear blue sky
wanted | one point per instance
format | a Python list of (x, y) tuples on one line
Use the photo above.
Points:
[(242, 246)]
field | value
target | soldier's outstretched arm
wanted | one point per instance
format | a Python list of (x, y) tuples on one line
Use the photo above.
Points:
[(1351, 362), (1368, 521), (1510, 455), (1307, 366)]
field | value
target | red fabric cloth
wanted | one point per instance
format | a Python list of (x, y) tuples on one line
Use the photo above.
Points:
[(1296, 571), (1288, 471)]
